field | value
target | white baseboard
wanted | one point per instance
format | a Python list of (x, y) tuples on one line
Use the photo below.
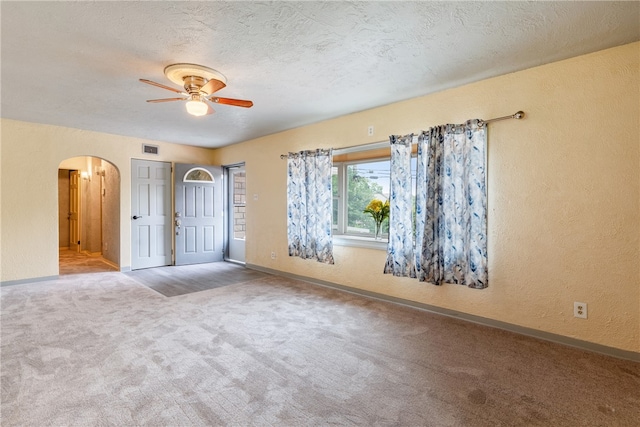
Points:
[(31, 280)]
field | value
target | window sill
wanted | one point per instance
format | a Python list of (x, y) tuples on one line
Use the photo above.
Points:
[(360, 242)]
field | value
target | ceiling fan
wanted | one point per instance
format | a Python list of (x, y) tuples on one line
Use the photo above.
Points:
[(199, 83)]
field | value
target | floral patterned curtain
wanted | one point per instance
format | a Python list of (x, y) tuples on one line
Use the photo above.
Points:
[(451, 207), (400, 253), (309, 205)]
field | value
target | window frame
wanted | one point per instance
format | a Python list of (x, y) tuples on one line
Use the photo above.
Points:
[(339, 234)]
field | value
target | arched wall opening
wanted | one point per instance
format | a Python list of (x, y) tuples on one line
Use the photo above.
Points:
[(89, 208)]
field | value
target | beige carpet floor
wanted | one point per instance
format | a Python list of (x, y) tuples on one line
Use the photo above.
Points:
[(101, 349)]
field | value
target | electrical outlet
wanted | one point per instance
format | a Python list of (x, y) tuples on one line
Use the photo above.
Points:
[(273, 255), (370, 131), (580, 310)]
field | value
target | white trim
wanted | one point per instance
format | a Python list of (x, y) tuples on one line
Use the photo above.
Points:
[(27, 281), (360, 242)]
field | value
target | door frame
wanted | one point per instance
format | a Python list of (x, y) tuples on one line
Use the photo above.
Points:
[(228, 217)]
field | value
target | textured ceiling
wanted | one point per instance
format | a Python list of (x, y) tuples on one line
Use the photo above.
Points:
[(77, 64)]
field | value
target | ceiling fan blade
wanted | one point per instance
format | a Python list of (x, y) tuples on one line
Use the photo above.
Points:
[(212, 86), (166, 99), (162, 86), (231, 101)]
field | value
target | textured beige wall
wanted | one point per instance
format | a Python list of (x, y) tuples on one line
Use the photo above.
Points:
[(563, 196), (31, 155)]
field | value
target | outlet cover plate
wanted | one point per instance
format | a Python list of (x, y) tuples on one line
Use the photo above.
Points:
[(580, 310)]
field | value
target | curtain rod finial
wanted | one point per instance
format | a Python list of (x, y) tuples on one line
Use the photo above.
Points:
[(518, 115)]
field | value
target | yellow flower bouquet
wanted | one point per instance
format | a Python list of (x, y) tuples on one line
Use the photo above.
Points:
[(379, 211)]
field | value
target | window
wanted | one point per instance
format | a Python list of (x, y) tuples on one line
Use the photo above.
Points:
[(197, 175), (355, 184), (239, 200), (360, 174)]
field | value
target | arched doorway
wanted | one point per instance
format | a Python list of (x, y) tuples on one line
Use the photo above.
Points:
[(88, 215)]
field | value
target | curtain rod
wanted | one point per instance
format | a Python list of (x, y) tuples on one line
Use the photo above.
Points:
[(517, 115)]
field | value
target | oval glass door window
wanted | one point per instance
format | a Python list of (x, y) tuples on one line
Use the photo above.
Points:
[(198, 175)]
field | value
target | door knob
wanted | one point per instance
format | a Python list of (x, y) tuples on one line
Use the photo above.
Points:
[(136, 217)]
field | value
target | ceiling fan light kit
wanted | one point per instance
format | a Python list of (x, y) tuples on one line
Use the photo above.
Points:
[(199, 83), (197, 108)]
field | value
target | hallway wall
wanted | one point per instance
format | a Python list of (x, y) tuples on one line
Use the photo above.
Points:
[(110, 213), (91, 237)]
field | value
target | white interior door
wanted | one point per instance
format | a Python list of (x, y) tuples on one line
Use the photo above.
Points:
[(237, 221), (150, 214), (198, 218), (74, 210)]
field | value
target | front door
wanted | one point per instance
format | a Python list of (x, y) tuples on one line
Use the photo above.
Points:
[(150, 214), (237, 222), (74, 210), (198, 215)]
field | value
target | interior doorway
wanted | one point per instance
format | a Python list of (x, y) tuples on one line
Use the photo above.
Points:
[(88, 215), (236, 229)]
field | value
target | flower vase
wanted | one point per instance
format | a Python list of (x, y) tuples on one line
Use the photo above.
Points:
[(378, 231)]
